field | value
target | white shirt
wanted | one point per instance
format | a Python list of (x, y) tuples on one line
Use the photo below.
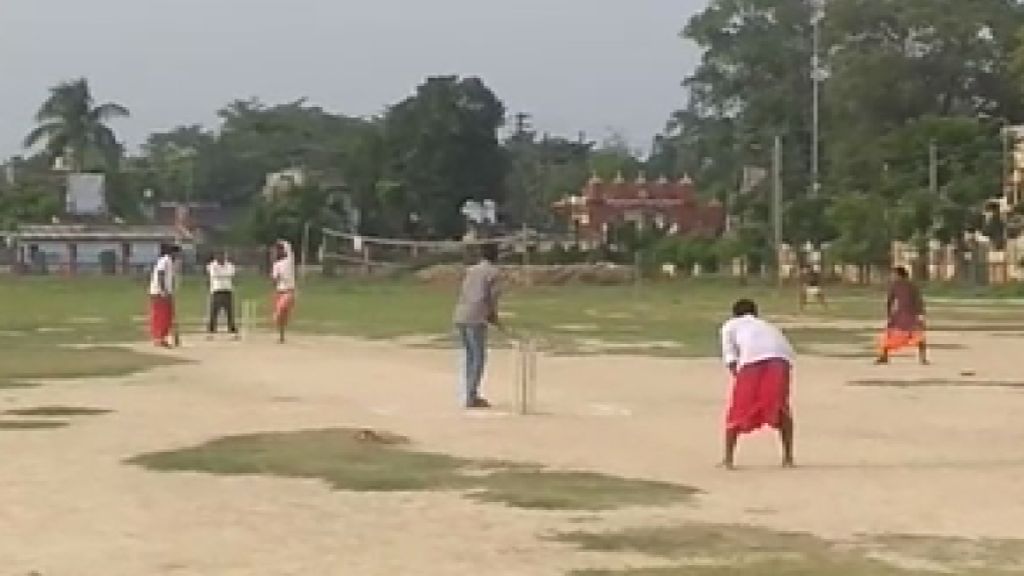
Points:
[(283, 274), (164, 264), (749, 340), (221, 276)]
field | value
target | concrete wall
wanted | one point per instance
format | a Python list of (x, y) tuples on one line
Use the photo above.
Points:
[(87, 259)]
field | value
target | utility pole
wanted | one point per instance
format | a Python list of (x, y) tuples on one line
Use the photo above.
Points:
[(522, 123), (777, 206), (521, 142), (818, 75), (304, 266), (933, 168)]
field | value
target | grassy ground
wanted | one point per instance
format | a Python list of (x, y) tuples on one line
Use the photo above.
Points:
[(369, 461), (372, 461), (46, 315), (54, 328), (722, 550)]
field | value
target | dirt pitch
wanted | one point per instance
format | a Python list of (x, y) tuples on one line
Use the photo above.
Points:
[(935, 460)]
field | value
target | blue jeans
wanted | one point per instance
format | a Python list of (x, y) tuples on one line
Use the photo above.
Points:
[(473, 338)]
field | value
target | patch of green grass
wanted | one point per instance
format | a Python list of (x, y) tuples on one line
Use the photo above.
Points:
[(15, 385), (369, 461), (936, 383), (25, 363), (992, 556), (339, 457), (688, 313), (723, 550), (58, 411), (778, 567), (588, 491), (31, 424)]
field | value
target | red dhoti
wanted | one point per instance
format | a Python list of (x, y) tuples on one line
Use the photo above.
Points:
[(161, 316), (283, 304), (760, 396)]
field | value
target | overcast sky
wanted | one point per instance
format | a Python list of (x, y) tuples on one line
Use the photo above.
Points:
[(590, 65)]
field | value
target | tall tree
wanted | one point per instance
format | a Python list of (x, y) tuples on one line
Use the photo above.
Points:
[(542, 171), (72, 126), (902, 74), (441, 148)]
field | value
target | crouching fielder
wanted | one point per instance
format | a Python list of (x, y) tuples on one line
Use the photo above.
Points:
[(760, 359), (283, 276)]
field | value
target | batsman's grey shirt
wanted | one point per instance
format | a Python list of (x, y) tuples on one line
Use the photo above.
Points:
[(479, 295)]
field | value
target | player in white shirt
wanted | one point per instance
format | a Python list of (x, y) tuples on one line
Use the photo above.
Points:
[(283, 276), (161, 295), (760, 359), (221, 273)]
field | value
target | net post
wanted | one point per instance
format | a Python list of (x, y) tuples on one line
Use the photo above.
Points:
[(531, 383), (248, 311)]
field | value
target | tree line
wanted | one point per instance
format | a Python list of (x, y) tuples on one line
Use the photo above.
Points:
[(404, 173), (914, 110), (917, 97)]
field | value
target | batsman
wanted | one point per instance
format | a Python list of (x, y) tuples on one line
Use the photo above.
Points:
[(475, 311)]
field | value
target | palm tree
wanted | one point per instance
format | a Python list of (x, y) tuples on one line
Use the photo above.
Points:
[(72, 126)]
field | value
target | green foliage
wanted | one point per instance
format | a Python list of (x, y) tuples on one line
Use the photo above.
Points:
[(371, 461), (903, 75), (72, 126), (441, 149), (34, 200), (862, 231), (685, 252), (285, 215), (541, 172)]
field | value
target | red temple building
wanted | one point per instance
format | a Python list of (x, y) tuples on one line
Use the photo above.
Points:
[(662, 203)]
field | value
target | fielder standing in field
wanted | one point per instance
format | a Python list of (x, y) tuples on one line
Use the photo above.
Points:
[(283, 276), (905, 319), (760, 359), (221, 273), (161, 295), (476, 309), (811, 289)]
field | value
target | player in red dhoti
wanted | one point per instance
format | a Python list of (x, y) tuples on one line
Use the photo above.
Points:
[(161, 295), (905, 319), (760, 359), (283, 276)]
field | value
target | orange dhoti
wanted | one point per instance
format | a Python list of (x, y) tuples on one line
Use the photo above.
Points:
[(283, 304), (895, 339), (161, 317), (760, 396)]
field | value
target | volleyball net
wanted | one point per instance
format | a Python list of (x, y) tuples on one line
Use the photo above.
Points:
[(376, 255)]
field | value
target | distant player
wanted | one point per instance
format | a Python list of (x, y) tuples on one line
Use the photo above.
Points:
[(811, 288), (476, 309), (905, 314), (283, 276), (760, 359), (221, 273), (161, 295)]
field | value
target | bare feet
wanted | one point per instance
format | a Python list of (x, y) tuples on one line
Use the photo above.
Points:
[(726, 465), (788, 463)]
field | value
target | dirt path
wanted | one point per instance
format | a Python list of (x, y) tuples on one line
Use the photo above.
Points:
[(876, 460)]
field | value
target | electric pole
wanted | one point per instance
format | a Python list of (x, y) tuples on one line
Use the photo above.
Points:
[(933, 168), (522, 123), (818, 75), (777, 206)]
